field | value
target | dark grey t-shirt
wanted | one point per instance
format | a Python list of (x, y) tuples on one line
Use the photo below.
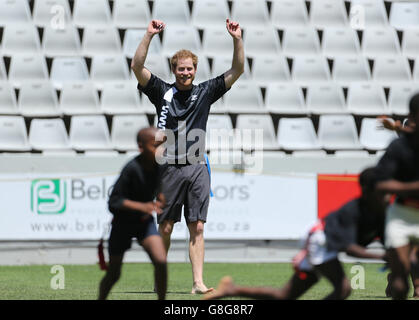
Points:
[(136, 184), (352, 224), (185, 113)]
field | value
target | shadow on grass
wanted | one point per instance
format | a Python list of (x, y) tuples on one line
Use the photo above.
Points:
[(152, 292)]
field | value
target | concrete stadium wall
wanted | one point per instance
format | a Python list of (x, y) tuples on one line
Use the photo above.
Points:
[(38, 163)]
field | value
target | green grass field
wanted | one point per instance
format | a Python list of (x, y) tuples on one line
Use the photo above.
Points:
[(81, 281)]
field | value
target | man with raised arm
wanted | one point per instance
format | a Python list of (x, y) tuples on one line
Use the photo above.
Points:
[(182, 109)]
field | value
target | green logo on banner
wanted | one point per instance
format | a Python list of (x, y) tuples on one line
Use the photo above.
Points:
[(48, 196)]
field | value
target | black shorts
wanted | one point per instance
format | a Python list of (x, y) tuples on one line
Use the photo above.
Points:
[(122, 233), (185, 186)]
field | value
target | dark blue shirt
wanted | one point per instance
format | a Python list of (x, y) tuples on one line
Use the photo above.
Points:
[(136, 184), (353, 224)]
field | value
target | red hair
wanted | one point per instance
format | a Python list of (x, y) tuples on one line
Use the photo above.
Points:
[(183, 54)]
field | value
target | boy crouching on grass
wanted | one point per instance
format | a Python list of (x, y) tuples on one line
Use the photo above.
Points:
[(349, 229)]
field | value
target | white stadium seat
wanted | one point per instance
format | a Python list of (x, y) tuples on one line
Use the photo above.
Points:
[(351, 69), (108, 68), (289, 13), (290, 47), (217, 41), (306, 70), (68, 69), (261, 41), (91, 12), (120, 98), (125, 129), (221, 64), (250, 13), (14, 12), (340, 42), (27, 67), (203, 72), (270, 69), (61, 42), (3, 75), (13, 134), (379, 42), (285, 98), (176, 38), (220, 134), (337, 132), (171, 12), (373, 136), (208, 13), (410, 43), (100, 40), (133, 38), (244, 98), (48, 134), (53, 13), (297, 134), (328, 13), (416, 70), (131, 14), (18, 38), (89, 133), (300, 41), (219, 107), (147, 106), (37, 99), (404, 15), (388, 70), (255, 132), (8, 103), (399, 96), (365, 14), (325, 98), (79, 98), (159, 66), (367, 99), (226, 159)]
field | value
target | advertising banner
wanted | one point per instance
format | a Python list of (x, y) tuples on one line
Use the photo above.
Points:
[(74, 207)]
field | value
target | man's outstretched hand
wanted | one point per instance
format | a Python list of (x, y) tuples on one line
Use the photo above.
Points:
[(397, 126), (390, 124), (233, 29), (155, 27)]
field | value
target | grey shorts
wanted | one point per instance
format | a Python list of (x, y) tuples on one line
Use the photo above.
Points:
[(186, 186)]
